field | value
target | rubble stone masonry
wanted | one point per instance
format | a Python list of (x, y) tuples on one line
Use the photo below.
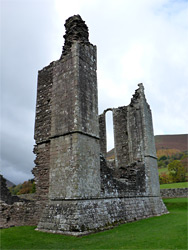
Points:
[(86, 192), (16, 211)]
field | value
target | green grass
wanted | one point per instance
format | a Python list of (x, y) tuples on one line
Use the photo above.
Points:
[(164, 170), (174, 185), (164, 232)]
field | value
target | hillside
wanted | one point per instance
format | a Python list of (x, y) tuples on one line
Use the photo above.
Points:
[(166, 144), (179, 142), (9, 183)]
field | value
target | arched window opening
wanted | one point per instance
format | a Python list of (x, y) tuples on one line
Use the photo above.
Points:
[(109, 130)]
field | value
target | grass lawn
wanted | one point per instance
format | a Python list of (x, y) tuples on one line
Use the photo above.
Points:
[(164, 170), (174, 185), (164, 232)]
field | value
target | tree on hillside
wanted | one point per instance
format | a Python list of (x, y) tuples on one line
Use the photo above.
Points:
[(163, 158), (177, 171), (184, 162), (15, 189), (164, 178), (27, 187)]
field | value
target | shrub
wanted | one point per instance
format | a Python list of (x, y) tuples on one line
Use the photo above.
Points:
[(164, 178), (177, 171), (27, 187)]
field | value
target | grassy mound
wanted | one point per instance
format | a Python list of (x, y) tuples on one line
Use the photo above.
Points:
[(164, 232)]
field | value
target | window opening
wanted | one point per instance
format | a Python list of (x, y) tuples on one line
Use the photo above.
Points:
[(109, 130)]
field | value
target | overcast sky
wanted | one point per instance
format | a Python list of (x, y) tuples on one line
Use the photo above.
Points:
[(137, 41)]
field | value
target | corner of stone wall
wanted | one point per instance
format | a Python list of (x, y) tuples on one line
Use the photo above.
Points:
[(18, 210)]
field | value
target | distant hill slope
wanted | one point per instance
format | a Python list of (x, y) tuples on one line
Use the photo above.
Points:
[(9, 183), (179, 143), (110, 154)]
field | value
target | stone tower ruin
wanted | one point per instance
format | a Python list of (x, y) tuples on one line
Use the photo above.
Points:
[(83, 191)]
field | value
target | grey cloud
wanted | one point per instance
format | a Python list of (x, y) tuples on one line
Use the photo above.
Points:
[(25, 38)]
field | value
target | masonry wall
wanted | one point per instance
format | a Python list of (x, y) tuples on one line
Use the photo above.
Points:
[(74, 168), (129, 130), (95, 214), (74, 101), (78, 190), (150, 157), (20, 213), (135, 169), (131, 182), (41, 169), (74, 151), (86, 192), (43, 131), (16, 211), (4, 192), (174, 192), (102, 134), (43, 105), (121, 140)]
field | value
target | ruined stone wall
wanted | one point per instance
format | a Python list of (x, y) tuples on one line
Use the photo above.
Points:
[(95, 214), (5, 194), (129, 132), (43, 105), (41, 169), (174, 192), (131, 182), (43, 131), (121, 145), (135, 169), (150, 158), (86, 192), (102, 134), (77, 190), (16, 211), (74, 100), (20, 213), (74, 150)]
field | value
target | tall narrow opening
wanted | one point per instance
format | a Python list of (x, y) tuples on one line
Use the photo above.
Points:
[(109, 130)]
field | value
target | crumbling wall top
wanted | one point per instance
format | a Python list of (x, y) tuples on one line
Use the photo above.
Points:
[(76, 30)]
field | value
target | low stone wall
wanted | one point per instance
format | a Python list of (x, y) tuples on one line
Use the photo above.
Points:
[(19, 210), (22, 213), (31, 197), (174, 192), (89, 216)]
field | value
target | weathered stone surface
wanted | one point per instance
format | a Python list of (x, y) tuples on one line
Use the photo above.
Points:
[(85, 216), (135, 156), (43, 131), (86, 192), (41, 170), (5, 193), (174, 192), (131, 184), (81, 192), (102, 134), (43, 106), (76, 30), (18, 211), (74, 167), (74, 93)]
